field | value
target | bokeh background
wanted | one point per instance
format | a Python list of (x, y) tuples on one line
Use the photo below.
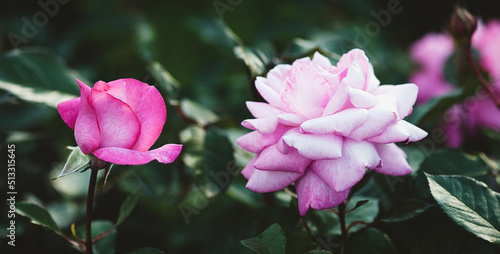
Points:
[(193, 42)]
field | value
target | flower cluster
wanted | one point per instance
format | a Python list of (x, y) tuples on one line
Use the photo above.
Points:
[(323, 126), (432, 52)]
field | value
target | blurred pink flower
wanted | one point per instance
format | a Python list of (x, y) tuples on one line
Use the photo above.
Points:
[(431, 52), (119, 121), (323, 126)]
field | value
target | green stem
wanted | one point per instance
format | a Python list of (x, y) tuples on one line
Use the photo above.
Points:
[(343, 228), (88, 212)]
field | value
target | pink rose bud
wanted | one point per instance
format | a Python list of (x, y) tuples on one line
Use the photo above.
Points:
[(323, 126), (119, 121), (462, 26)]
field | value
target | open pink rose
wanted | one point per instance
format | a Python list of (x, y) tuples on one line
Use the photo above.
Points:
[(119, 121), (431, 52), (323, 126)]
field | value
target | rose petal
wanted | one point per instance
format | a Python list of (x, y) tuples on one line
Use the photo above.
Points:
[(313, 192), (276, 77), (87, 134), (270, 95), (291, 119), (379, 118), (271, 159), (268, 181), (262, 110), (338, 99), (147, 104), (165, 154), (118, 123), (254, 142), (405, 95), (315, 146), (262, 125), (361, 99), (342, 122), (393, 160), (343, 173), (69, 111), (400, 131)]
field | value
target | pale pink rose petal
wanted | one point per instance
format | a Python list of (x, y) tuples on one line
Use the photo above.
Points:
[(271, 159), (268, 181), (148, 105), (69, 111), (379, 118), (314, 146), (262, 110), (405, 94), (254, 142), (270, 95), (343, 173), (249, 169), (393, 160), (87, 133), (342, 122), (262, 125), (307, 93), (118, 123), (322, 61), (355, 77), (291, 119), (313, 192), (165, 154), (361, 99), (398, 132), (486, 42), (277, 75), (338, 99)]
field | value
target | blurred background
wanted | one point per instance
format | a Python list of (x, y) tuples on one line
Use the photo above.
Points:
[(203, 53)]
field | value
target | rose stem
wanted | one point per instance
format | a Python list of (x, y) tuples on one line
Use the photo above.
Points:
[(343, 229), (484, 83), (88, 212)]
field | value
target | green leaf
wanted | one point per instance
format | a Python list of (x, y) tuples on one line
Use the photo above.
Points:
[(208, 154), (38, 69), (255, 60), (77, 161), (166, 80), (446, 237), (318, 252), (406, 210), (128, 205), (370, 240), (470, 203), (358, 204), (48, 97), (271, 241), (454, 162), (436, 107), (38, 215), (198, 113), (147, 250)]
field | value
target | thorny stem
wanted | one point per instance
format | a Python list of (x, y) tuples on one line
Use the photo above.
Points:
[(482, 80), (88, 212)]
